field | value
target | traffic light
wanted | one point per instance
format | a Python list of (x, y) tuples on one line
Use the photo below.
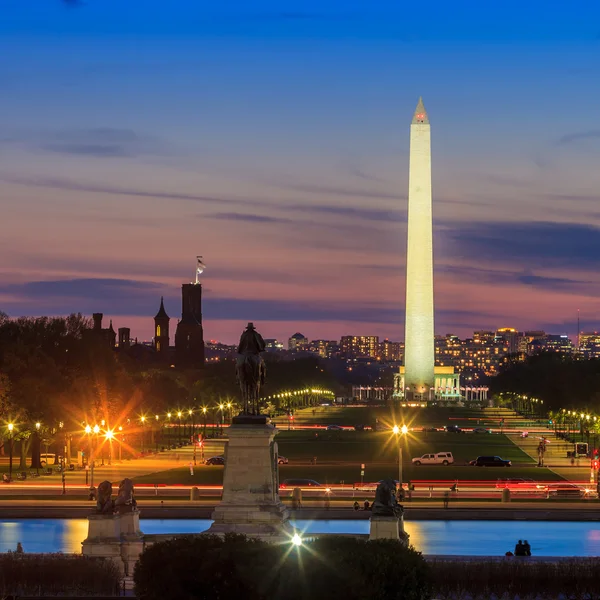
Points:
[(595, 464)]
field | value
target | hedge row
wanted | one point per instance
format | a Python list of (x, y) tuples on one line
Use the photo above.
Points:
[(56, 575), (209, 567), (573, 579), (234, 568)]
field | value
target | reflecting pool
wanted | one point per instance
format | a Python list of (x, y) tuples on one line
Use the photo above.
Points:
[(474, 538)]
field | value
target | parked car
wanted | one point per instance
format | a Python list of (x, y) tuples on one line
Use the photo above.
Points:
[(334, 428), (519, 483), (282, 460), (439, 458), (426, 429), (453, 429), (49, 459), (301, 483), (490, 461), (565, 490), (215, 460), (359, 428), (481, 430)]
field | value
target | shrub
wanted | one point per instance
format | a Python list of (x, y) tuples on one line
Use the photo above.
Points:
[(57, 575), (235, 567), (515, 577)]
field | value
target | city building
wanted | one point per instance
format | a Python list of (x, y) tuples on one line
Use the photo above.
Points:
[(589, 344), (419, 352), (510, 337), (107, 335), (297, 342), (391, 351), (360, 346), (551, 343), (324, 348), (272, 345)]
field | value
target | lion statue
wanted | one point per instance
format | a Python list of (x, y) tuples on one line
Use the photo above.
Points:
[(385, 500), (105, 504), (125, 501)]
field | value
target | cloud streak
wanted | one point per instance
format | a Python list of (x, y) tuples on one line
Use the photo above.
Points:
[(569, 138)]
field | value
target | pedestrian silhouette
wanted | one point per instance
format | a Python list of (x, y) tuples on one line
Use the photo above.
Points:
[(519, 549), (526, 548)]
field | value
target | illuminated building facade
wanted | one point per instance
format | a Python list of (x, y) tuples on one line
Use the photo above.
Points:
[(360, 346)]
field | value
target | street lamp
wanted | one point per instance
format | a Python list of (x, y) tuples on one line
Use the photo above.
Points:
[(156, 417), (143, 420), (191, 416), (10, 431), (39, 443), (397, 432), (169, 432), (229, 406), (221, 407), (179, 413), (204, 410)]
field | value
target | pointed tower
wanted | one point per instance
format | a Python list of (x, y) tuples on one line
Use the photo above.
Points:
[(161, 328), (419, 357)]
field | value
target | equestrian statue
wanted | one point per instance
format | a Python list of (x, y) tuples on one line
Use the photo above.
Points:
[(250, 369)]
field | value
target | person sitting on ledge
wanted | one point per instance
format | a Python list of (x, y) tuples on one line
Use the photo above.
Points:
[(520, 549), (366, 505), (526, 548), (356, 505)]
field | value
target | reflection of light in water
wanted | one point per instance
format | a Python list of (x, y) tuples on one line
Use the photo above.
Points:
[(74, 532), (476, 538), (417, 537)]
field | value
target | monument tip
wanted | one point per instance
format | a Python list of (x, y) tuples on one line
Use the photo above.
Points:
[(420, 116)]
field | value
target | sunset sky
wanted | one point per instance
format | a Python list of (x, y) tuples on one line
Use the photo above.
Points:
[(271, 137)]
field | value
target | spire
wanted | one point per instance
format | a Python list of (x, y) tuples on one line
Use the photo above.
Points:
[(420, 115), (110, 327), (162, 313)]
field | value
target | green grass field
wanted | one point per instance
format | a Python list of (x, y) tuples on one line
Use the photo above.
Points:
[(370, 446), (414, 417), (340, 454)]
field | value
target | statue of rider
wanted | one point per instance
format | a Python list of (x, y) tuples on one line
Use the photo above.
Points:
[(250, 367), (251, 341)]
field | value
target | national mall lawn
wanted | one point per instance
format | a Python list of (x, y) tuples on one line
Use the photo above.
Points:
[(339, 454)]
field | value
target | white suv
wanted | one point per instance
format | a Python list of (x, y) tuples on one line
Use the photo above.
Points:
[(440, 458)]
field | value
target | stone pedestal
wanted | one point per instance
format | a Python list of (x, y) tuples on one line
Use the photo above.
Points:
[(117, 538), (104, 538), (387, 528), (250, 503)]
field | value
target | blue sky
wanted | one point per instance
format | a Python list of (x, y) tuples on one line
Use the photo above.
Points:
[(272, 138)]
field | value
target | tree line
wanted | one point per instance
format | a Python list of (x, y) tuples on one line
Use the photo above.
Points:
[(53, 373)]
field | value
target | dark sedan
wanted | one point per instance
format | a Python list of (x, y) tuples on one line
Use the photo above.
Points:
[(490, 461), (215, 460)]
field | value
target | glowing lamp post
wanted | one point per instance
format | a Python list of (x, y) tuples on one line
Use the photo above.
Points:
[(204, 411), (398, 431), (11, 428), (221, 407), (38, 426), (169, 432), (143, 420), (179, 427)]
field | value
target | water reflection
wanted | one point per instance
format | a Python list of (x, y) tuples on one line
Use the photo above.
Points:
[(430, 537)]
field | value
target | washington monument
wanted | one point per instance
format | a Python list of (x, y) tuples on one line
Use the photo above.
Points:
[(419, 351)]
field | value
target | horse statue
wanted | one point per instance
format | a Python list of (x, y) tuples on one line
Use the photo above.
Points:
[(250, 369)]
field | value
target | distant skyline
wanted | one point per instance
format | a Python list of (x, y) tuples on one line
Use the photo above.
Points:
[(134, 136)]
